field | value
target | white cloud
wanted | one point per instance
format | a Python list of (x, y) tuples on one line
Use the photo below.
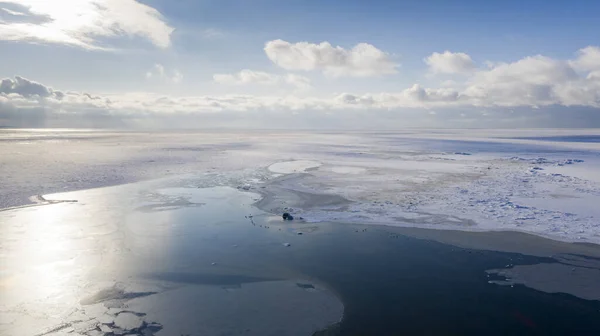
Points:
[(300, 82), (363, 60), (588, 59), (532, 81), (413, 97), (594, 76), (83, 23), (247, 76), (535, 82), (23, 94), (450, 63), (158, 71), (29, 103), (26, 103), (26, 88), (537, 70)]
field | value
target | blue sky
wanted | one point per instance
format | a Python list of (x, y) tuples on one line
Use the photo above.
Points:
[(429, 63), (501, 30)]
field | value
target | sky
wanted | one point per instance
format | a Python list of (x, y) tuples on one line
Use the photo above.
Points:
[(379, 64)]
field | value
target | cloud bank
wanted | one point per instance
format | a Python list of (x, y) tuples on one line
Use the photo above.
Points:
[(248, 77), (532, 91)]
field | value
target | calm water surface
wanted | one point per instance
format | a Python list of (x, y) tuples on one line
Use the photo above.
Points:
[(152, 248)]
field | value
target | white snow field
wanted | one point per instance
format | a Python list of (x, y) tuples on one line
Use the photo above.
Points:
[(545, 182)]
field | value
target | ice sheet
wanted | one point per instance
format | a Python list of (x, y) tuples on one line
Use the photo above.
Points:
[(293, 166), (504, 193), (450, 179), (347, 170)]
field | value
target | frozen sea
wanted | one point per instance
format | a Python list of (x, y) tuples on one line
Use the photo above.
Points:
[(409, 232), (544, 182)]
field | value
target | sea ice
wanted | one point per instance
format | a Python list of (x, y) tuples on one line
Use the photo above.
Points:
[(504, 184), (128, 321), (544, 182), (289, 167)]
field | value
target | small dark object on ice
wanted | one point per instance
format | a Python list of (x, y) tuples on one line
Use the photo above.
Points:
[(287, 216)]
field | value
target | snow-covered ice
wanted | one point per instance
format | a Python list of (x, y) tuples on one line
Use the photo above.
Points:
[(127, 320), (499, 193), (289, 167), (545, 182), (547, 188), (347, 170)]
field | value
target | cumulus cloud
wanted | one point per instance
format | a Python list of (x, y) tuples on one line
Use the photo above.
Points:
[(588, 59), (158, 71), (537, 70), (26, 103), (363, 60), (83, 23), (533, 81), (27, 88), (450, 63), (247, 76)]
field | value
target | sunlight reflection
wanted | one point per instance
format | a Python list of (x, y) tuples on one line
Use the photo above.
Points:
[(41, 245)]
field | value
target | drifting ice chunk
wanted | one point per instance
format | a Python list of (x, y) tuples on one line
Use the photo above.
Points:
[(128, 321), (105, 329)]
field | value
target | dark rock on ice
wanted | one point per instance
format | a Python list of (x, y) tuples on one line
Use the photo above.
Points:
[(287, 216)]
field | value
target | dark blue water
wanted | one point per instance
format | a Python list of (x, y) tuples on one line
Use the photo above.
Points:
[(396, 285), (390, 284)]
